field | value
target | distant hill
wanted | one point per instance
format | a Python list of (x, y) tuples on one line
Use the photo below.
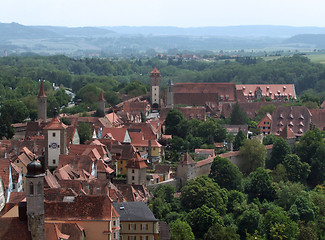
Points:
[(79, 31), (17, 31), (234, 31), (313, 40)]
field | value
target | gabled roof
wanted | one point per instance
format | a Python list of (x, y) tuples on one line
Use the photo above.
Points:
[(134, 211), (13, 228), (136, 162), (55, 124), (268, 90), (117, 133), (50, 181)]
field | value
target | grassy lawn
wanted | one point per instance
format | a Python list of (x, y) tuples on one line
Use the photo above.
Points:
[(317, 58)]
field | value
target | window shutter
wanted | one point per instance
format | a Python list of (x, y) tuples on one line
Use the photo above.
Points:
[(129, 226), (135, 227), (147, 226), (141, 228)]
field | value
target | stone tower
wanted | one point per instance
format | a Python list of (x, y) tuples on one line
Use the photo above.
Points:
[(101, 104), (55, 134), (42, 103), (186, 169), (155, 77), (35, 199), (170, 94)]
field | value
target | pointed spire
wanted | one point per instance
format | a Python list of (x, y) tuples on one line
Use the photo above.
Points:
[(101, 97), (188, 159), (155, 70), (41, 90)]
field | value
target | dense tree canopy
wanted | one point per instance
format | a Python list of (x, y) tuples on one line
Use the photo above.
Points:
[(252, 154)]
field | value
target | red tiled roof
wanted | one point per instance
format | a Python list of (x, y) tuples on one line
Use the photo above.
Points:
[(55, 124), (268, 90), (13, 228), (81, 208), (117, 133), (204, 162), (318, 118), (50, 181), (155, 70), (287, 133), (136, 162)]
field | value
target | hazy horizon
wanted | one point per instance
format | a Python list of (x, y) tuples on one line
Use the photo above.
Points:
[(145, 13)]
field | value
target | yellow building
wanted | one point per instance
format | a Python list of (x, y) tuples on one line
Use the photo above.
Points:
[(137, 221)]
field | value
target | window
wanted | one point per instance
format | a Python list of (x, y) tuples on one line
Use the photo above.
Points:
[(114, 235), (114, 223), (121, 162), (53, 134), (132, 170), (53, 161), (132, 226), (131, 238), (31, 188), (39, 188), (132, 177), (144, 226)]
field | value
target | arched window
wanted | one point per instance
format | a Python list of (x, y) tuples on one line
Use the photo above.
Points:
[(31, 188), (39, 188)]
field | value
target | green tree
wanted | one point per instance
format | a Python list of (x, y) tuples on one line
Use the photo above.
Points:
[(160, 208), (204, 191), (260, 185), (308, 144), (280, 149), (317, 175), (287, 193), (218, 232), (249, 222), (252, 154), (226, 174), (278, 225), (6, 129), (13, 111), (238, 116), (181, 231), (239, 140), (297, 171), (269, 139), (303, 209), (173, 122), (269, 108), (201, 219), (85, 132)]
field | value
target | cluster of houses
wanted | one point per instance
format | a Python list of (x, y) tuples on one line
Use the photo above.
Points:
[(54, 187)]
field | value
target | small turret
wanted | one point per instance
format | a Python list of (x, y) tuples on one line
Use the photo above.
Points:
[(42, 103)]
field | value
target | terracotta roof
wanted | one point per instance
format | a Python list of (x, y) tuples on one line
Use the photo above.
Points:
[(318, 118), (41, 90), (155, 70), (81, 208), (205, 151), (50, 181), (136, 162), (125, 151), (4, 171), (163, 169), (298, 118), (268, 90), (133, 193), (201, 163), (187, 159), (117, 133), (55, 124), (287, 133), (229, 154), (146, 128), (58, 194), (13, 228), (55, 231)]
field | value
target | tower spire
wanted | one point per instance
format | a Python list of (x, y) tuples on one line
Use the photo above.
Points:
[(42, 102)]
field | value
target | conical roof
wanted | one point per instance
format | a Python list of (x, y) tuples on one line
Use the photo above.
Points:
[(101, 97), (41, 90), (188, 159)]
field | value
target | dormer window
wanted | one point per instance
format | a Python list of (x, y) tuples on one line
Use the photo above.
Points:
[(291, 116), (291, 124)]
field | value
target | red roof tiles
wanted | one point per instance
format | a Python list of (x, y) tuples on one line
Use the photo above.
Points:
[(41, 90)]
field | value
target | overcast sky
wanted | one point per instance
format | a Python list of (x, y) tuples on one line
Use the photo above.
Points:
[(181, 13)]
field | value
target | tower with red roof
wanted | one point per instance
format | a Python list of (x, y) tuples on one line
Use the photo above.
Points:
[(155, 78), (101, 104)]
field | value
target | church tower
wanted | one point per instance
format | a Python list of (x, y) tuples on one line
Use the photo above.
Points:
[(155, 78), (101, 104), (170, 94), (55, 134), (35, 199), (42, 104)]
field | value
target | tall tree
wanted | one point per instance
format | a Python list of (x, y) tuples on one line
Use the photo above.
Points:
[(13, 111), (174, 123), (239, 140), (226, 174), (260, 185), (297, 171), (317, 175), (84, 131), (181, 231), (252, 154), (280, 149), (238, 116)]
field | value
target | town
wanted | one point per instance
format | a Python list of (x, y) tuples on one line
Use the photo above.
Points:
[(147, 160)]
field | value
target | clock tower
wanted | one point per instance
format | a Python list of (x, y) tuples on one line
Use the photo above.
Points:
[(55, 134), (155, 78)]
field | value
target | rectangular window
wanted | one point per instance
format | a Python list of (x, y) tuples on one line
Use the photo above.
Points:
[(132, 177), (114, 223), (53, 134), (144, 226), (53, 161), (132, 226)]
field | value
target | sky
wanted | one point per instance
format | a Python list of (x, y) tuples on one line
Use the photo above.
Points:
[(180, 13)]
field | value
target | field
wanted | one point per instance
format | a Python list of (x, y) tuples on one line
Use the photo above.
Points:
[(317, 58)]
